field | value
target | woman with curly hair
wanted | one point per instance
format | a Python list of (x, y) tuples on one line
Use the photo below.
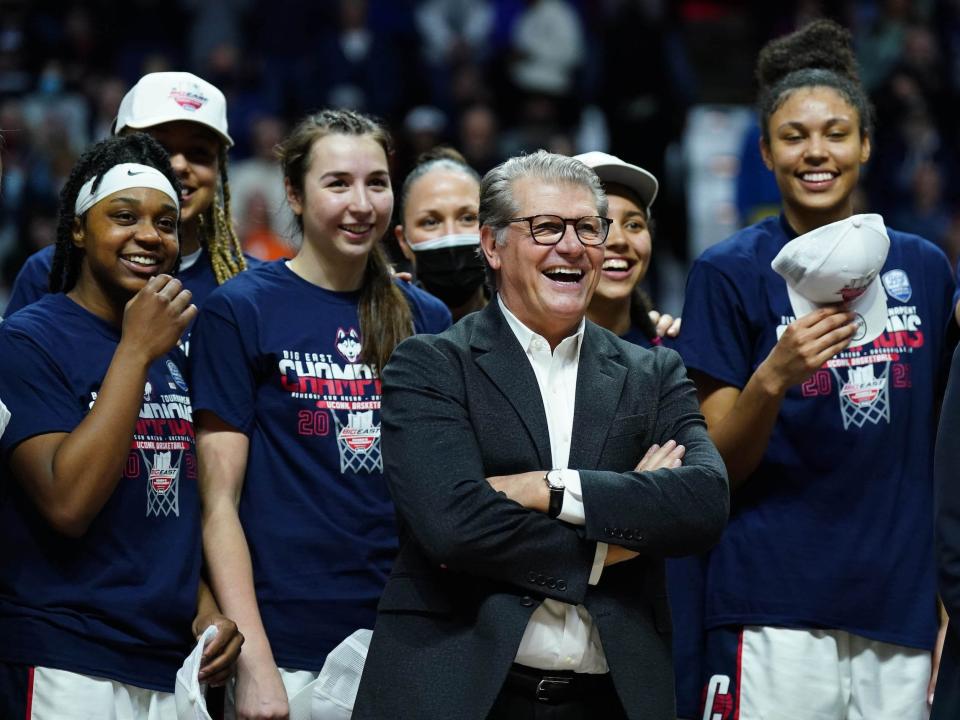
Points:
[(817, 342), (100, 592)]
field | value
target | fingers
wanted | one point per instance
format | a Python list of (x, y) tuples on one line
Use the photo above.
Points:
[(217, 668), (669, 455), (674, 329)]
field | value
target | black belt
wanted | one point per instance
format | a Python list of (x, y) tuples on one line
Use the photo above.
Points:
[(556, 686)]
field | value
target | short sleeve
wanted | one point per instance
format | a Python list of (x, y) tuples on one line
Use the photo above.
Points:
[(430, 315), (31, 282), (221, 362), (715, 339), (35, 390)]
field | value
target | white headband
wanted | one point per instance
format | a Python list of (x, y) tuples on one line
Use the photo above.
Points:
[(447, 241), (122, 177)]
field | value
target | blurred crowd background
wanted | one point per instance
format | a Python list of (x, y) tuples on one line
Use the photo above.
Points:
[(663, 84)]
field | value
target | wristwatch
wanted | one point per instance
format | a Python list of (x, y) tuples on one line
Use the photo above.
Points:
[(554, 480)]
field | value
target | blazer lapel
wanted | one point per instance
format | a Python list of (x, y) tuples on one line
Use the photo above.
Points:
[(502, 359), (600, 381)]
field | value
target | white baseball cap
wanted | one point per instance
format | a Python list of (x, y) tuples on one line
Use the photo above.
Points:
[(167, 96), (611, 169), (839, 263)]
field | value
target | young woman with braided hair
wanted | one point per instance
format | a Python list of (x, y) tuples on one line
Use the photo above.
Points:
[(100, 592), (188, 116), (297, 518), (820, 598)]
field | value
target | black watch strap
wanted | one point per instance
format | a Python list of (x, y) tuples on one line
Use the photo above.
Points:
[(556, 496)]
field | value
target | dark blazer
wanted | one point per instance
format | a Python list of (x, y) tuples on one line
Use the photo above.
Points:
[(946, 483), (474, 565)]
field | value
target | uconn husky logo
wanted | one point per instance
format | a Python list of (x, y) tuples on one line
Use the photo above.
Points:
[(348, 344)]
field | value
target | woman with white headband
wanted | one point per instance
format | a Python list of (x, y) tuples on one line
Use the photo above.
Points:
[(188, 117), (99, 511)]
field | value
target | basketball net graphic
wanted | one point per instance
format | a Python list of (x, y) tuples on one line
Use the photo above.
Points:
[(864, 397), (358, 442), (163, 484)]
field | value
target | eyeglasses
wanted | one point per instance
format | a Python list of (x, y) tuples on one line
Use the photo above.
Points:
[(548, 229)]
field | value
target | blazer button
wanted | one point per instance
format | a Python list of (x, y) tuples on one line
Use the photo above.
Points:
[(561, 585), (617, 532), (628, 535), (541, 579), (606, 531), (526, 601), (551, 583), (532, 576)]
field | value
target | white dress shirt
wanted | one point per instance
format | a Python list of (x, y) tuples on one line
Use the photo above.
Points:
[(560, 636)]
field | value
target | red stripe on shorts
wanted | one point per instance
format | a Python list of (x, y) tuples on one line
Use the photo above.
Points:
[(29, 693), (736, 706)]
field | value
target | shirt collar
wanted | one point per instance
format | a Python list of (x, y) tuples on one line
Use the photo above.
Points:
[(526, 336)]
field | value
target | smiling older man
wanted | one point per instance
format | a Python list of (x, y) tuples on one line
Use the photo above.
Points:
[(542, 468)]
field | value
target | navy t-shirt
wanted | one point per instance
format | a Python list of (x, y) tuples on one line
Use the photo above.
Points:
[(34, 278), (277, 358), (834, 528), (119, 601)]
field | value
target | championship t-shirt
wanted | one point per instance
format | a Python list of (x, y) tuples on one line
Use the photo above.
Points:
[(834, 529), (117, 602), (278, 358)]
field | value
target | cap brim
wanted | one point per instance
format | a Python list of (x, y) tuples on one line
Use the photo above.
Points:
[(640, 181), (160, 119), (870, 308)]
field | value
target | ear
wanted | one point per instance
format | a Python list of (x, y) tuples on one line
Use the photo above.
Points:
[(404, 245), (488, 244), (865, 149), (765, 153), (293, 197), (77, 233)]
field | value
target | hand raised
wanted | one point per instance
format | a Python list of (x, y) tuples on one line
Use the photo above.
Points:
[(806, 345), (155, 318)]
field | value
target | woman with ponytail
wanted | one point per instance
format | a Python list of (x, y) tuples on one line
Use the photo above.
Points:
[(817, 343), (298, 522)]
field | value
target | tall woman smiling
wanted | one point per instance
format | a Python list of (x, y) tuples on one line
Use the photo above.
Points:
[(298, 522), (821, 594)]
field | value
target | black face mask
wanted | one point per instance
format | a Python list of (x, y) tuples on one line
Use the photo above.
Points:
[(453, 274)]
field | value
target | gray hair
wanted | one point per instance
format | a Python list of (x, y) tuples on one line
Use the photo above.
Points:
[(497, 204)]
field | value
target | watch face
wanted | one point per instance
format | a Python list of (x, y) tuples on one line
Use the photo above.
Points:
[(555, 480)]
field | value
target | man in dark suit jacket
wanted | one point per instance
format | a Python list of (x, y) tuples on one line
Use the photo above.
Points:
[(534, 519)]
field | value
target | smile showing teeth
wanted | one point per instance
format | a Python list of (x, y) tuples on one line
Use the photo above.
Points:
[(141, 260), (564, 274), (356, 228), (616, 264), (817, 177)]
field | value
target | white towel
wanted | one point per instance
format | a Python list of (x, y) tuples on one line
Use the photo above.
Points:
[(189, 693)]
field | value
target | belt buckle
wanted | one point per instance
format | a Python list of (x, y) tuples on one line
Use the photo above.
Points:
[(549, 683)]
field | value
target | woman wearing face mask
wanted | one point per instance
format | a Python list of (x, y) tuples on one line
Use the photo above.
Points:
[(188, 116), (822, 592), (440, 229), (99, 510), (298, 523)]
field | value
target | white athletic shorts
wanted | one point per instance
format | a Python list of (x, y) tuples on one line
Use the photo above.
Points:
[(770, 673), (64, 695)]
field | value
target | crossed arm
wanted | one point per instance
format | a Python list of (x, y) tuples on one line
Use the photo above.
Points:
[(462, 521)]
